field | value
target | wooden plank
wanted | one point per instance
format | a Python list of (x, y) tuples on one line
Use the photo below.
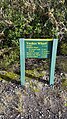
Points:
[(53, 61), (22, 61)]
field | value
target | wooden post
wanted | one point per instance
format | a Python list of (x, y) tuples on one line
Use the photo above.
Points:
[(53, 61), (22, 61)]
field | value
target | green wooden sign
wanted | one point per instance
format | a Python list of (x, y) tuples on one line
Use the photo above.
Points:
[(38, 48)]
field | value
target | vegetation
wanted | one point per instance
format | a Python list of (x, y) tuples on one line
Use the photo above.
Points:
[(32, 18)]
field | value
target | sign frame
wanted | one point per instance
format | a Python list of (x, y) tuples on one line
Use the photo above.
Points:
[(52, 59)]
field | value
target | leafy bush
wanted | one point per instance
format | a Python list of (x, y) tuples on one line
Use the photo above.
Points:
[(30, 19), (64, 48)]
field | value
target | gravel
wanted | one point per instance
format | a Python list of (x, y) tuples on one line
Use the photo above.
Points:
[(37, 100), (17, 102)]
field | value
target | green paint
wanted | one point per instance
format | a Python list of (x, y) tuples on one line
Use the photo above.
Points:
[(53, 61), (22, 61), (38, 48)]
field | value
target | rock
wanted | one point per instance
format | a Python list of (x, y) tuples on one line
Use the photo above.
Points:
[(40, 85), (66, 75)]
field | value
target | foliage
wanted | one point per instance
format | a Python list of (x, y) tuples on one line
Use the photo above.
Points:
[(64, 83), (64, 48), (9, 58), (32, 18)]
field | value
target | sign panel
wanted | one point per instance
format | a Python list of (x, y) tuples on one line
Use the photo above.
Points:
[(38, 49)]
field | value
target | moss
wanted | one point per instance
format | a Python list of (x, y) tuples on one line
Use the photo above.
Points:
[(10, 76), (64, 48), (33, 85), (64, 83), (1, 79), (30, 72), (35, 73), (65, 104), (36, 90)]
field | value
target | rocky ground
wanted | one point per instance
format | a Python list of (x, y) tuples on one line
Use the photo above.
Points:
[(37, 100)]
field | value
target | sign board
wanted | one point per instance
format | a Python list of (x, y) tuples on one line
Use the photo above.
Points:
[(38, 48)]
